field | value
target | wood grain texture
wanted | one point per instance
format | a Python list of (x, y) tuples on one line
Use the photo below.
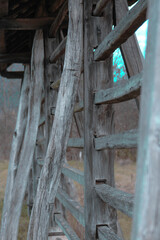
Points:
[(147, 209), (105, 233), (59, 51), (126, 27), (100, 7), (118, 199), (74, 174), (76, 143), (27, 151), (63, 224), (124, 92), (127, 139), (51, 171), (16, 147)]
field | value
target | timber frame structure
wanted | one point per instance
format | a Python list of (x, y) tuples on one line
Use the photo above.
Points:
[(66, 48)]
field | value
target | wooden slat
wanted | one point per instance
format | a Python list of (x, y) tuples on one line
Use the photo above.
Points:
[(129, 90), (41, 121), (116, 198), (78, 108), (15, 58), (63, 224), (121, 140), (99, 7), (76, 142), (59, 51), (55, 85), (12, 75), (74, 174), (105, 233), (59, 19), (25, 23), (74, 207), (127, 26)]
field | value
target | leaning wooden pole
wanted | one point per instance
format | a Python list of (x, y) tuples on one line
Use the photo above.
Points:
[(147, 203), (17, 143), (27, 151), (51, 171)]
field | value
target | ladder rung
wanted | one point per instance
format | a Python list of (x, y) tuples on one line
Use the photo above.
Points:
[(76, 143), (74, 174), (59, 51)]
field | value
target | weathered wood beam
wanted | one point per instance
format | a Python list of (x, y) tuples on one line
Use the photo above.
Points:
[(129, 90), (105, 233), (120, 140), (15, 58), (54, 5), (116, 198), (74, 207), (25, 23), (12, 75), (74, 174), (63, 224), (41, 121), (76, 143), (59, 51), (59, 19), (55, 85), (127, 26), (100, 7), (78, 108), (54, 159), (146, 222)]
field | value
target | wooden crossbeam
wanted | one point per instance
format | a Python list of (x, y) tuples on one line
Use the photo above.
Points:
[(99, 7), (59, 51), (129, 90), (74, 207), (76, 143), (127, 26), (74, 174), (116, 198), (105, 233), (25, 23), (15, 58), (12, 75), (59, 19), (121, 140), (66, 228)]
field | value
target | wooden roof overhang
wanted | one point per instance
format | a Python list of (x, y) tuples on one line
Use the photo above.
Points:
[(18, 21)]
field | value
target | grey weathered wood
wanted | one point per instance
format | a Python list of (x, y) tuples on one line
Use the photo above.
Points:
[(127, 91), (51, 171), (55, 85), (98, 120), (76, 143), (41, 121), (116, 198), (74, 174), (63, 224), (16, 147), (12, 75), (126, 27), (127, 139), (59, 19), (105, 233), (146, 223), (78, 108), (74, 207), (100, 7), (25, 23), (15, 58), (59, 51), (27, 151)]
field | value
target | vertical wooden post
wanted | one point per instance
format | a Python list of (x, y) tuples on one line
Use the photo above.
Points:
[(147, 203), (99, 120)]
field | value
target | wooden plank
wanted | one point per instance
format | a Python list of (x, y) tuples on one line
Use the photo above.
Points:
[(105, 233), (126, 27), (78, 108), (146, 223), (116, 198), (16, 148), (55, 85), (59, 51), (41, 121), (59, 19), (129, 90), (51, 172), (98, 120), (119, 141), (15, 58), (63, 224), (74, 207), (100, 7), (12, 75), (74, 174), (76, 143), (27, 151), (25, 23)]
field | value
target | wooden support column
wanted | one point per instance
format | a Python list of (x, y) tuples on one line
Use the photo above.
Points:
[(99, 120), (146, 223)]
